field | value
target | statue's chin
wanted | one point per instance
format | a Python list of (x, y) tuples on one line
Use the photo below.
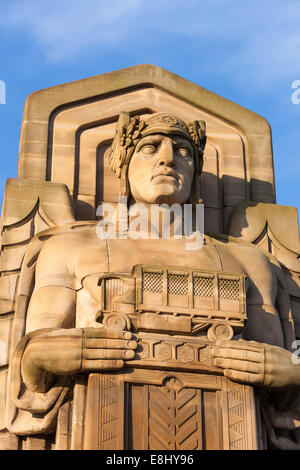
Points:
[(169, 195), (166, 193)]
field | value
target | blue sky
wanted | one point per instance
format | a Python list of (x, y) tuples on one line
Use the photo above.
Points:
[(248, 52)]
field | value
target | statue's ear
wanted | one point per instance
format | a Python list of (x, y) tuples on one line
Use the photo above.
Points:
[(118, 153)]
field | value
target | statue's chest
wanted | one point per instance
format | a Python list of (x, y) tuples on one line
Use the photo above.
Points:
[(120, 256), (123, 255), (184, 286)]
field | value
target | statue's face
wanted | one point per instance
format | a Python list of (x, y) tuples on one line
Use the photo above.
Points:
[(161, 170)]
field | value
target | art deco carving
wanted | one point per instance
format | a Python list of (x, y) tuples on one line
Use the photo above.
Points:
[(134, 344)]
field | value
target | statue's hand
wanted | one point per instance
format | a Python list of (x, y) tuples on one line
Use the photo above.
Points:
[(256, 364), (71, 351), (105, 349)]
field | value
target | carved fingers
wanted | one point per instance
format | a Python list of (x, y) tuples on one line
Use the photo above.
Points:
[(242, 361), (257, 364), (105, 349)]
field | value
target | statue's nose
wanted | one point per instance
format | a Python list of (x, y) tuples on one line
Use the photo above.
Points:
[(166, 153)]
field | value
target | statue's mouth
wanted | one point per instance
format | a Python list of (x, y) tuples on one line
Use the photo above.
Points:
[(162, 175)]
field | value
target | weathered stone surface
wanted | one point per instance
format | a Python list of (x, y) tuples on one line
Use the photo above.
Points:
[(163, 369)]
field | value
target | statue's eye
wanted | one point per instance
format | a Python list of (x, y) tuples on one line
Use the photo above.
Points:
[(184, 152), (148, 149)]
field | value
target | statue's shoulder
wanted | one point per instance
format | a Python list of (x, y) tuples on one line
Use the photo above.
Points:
[(221, 239), (64, 241), (56, 253), (75, 232), (241, 248)]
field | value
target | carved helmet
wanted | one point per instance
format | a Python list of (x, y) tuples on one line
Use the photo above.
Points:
[(130, 130)]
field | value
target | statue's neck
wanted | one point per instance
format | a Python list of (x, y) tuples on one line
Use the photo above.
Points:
[(157, 221)]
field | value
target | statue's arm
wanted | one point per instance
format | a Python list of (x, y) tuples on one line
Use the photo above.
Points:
[(51, 307), (63, 349)]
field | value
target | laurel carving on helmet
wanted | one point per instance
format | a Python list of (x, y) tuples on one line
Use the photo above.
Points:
[(130, 130)]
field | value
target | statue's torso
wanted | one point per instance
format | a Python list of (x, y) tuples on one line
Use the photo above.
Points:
[(81, 253), (77, 259)]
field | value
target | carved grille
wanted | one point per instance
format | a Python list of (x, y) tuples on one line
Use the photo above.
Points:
[(178, 284), (203, 286), (113, 287), (153, 282), (229, 289)]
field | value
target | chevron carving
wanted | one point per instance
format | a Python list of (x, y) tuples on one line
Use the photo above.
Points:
[(174, 417)]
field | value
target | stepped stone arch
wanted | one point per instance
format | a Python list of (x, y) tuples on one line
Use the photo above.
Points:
[(67, 129)]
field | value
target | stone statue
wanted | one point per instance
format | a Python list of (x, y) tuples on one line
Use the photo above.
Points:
[(124, 323), (158, 160)]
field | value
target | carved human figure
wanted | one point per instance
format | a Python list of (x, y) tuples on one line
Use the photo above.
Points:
[(158, 161)]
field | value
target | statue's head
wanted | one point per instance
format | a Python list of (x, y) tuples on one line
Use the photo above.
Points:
[(159, 159)]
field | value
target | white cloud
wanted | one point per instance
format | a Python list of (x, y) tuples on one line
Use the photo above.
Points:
[(67, 28), (257, 39)]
